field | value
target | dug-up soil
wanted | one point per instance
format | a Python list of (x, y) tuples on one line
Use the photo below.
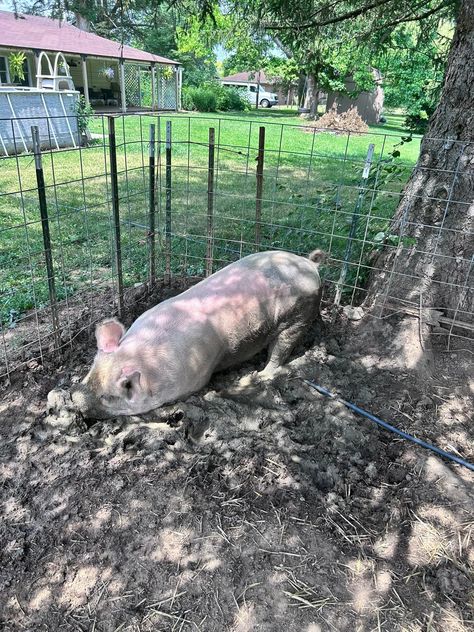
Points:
[(270, 508)]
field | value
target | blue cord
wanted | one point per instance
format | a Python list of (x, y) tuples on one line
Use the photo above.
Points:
[(387, 426)]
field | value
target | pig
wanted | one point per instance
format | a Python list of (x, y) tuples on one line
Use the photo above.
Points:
[(265, 300)]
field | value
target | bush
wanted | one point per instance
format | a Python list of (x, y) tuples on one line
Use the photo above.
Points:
[(84, 113), (418, 116), (213, 97), (186, 99), (200, 99), (231, 99)]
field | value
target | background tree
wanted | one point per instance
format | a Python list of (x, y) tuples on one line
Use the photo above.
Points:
[(436, 208), (412, 61)]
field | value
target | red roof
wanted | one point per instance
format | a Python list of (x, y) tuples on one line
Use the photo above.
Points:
[(248, 77), (35, 32)]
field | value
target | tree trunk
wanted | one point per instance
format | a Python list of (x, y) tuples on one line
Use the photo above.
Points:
[(433, 263), (82, 22), (301, 85), (311, 97)]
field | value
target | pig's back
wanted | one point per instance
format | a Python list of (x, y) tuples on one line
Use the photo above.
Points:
[(246, 300), (273, 268)]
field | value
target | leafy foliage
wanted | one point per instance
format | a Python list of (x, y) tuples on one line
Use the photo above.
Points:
[(213, 97), (16, 62), (84, 113), (331, 40), (201, 99), (231, 100), (412, 63)]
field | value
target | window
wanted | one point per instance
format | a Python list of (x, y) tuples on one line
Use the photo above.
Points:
[(253, 88), (3, 70), (5, 74)]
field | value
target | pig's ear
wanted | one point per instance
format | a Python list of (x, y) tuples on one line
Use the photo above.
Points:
[(108, 334), (130, 382)]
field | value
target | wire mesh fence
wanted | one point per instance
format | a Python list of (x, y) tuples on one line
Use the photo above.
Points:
[(153, 196)]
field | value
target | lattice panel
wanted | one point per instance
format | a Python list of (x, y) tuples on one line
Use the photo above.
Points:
[(132, 85), (166, 88)]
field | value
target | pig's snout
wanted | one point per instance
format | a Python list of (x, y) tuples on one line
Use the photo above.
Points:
[(84, 401)]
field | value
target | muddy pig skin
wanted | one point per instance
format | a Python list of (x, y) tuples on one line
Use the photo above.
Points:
[(265, 300)]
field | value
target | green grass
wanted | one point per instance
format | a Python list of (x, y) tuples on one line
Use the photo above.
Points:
[(310, 192)]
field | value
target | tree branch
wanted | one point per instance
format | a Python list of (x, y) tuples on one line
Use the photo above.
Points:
[(415, 18), (340, 18)]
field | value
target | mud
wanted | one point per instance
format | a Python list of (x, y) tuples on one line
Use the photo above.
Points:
[(250, 506)]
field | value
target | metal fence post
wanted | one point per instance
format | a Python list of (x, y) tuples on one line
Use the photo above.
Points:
[(115, 212), (46, 234), (355, 221), (258, 202), (210, 203), (152, 204), (168, 204)]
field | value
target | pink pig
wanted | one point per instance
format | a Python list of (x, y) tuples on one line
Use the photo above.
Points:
[(264, 300)]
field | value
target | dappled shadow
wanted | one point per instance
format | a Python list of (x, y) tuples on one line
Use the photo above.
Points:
[(274, 508)]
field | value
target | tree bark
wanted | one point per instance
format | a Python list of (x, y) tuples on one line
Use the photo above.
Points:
[(311, 97), (301, 84), (433, 263), (82, 22)]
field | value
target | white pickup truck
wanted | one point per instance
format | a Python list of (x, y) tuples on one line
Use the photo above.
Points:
[(265, 99)]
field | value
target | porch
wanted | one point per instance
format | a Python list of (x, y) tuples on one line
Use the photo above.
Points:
[(111, 85), (58, 56)]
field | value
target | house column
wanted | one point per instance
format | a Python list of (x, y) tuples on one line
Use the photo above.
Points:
[(37, 67), (153, 87), (176, 87), (122, 85), (85, 80), (180, 71)]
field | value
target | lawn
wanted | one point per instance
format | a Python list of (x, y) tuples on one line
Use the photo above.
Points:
[(310, 192)]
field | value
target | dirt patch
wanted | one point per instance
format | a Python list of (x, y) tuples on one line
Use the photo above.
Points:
[(265, 508)]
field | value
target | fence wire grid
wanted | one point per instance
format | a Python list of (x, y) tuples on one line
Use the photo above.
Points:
[(153, 197)]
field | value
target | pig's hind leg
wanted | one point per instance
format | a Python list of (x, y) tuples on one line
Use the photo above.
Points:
[(279, 350), (281, 347)]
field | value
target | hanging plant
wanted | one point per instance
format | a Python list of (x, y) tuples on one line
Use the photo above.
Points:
[(167, 72), (16, 62), (108, 72)]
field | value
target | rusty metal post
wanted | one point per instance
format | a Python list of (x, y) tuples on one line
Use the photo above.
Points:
[(210, 203), (46, 234), (258, 204), (115, 212), (151, 209)]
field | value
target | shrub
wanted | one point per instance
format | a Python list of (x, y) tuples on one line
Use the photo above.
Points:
[(202, 99), (187, 102), (418, 116), (84, 112), (230, 99), (212, 97)]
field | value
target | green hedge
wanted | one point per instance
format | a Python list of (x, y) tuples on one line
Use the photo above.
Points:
[(213, 97)]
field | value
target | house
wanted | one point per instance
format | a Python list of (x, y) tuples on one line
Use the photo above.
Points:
[(251, 79), (108, 73), (60, 62)]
